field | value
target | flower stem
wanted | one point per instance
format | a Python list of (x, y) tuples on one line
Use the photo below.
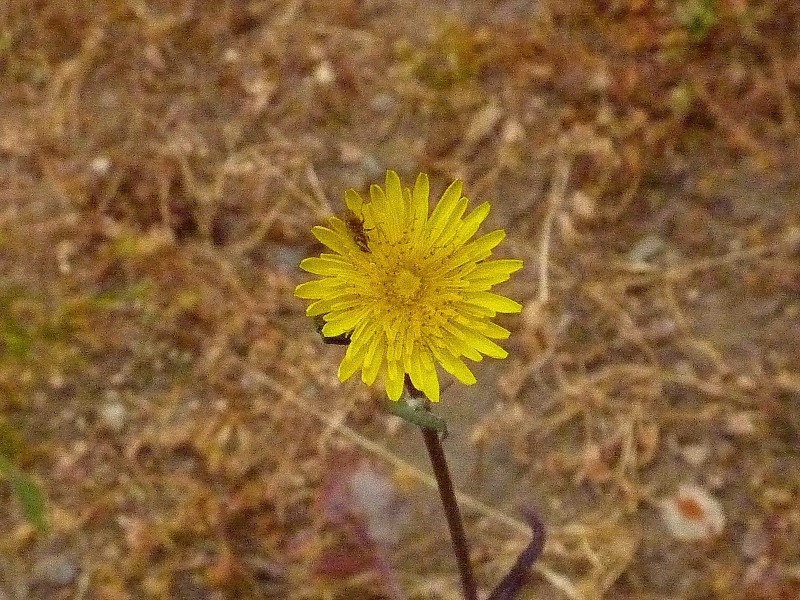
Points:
[(451, 510)]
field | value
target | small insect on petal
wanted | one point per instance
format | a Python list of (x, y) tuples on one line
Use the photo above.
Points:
[(355, 227)]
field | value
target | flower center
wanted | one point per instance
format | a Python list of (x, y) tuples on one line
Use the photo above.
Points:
[(407, 285)]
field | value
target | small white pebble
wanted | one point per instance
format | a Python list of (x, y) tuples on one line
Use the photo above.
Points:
[(792, 235), (661, 329), (512, 132), (350, 154), (57, 380), (324, 73), (382, 103), (646, 249), (754, 543), (746, 383), (741, 424), (259, 87), (584, 206), (65, 250), (735, 244), (695, 454), (155, 57), (231, 55), (600, 80), (55, 570), (692, 514), (113, 415), (605, 115), (100, 165)]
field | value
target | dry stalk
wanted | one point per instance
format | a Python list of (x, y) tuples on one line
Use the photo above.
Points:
[(558, 190)]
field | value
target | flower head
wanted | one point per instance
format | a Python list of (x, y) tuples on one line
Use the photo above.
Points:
[(409, 288)]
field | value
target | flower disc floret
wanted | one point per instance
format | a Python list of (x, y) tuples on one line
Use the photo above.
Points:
[(409, 288)]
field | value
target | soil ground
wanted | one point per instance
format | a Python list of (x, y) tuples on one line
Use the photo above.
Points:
[(161, 165)]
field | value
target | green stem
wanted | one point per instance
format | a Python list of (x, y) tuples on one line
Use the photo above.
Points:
[(451, 510)]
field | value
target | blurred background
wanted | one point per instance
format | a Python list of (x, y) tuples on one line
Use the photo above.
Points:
[(161, 165)]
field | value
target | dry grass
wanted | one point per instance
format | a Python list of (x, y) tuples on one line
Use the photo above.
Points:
[(160, 166)]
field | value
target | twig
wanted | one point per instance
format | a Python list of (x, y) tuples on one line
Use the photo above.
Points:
[(510, 585), (786, 99), (738, 133), (558, 190), (689, 268)]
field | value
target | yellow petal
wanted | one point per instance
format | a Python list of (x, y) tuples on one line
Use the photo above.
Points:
[(492, 330), (470, 225), (455, 366), (352, 360), (395, 378), (316, 288), (394, 201), (480, 248), (373, 360), (332, 240), (354, 202), (483, 344), (495, 302), (430, 385), (324, 265), (444, 209)]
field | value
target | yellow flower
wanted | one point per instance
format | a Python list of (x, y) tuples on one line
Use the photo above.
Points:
[(410, 290)]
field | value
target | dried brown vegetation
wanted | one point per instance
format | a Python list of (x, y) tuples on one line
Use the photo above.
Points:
[(160, 166)]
